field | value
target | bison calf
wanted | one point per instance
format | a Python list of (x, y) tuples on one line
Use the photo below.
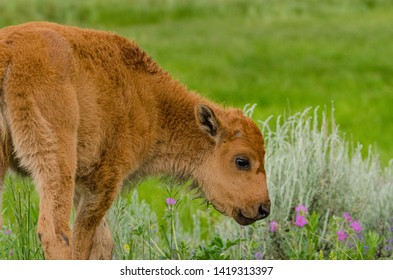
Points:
[(82, 110)]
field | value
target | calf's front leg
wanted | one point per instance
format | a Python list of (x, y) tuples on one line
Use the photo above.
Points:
[(102, 247), (91, 235)]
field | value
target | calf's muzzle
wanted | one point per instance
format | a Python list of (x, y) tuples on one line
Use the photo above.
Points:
[(263, 210)]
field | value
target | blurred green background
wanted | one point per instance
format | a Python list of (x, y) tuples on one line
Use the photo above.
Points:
[(283, 55)]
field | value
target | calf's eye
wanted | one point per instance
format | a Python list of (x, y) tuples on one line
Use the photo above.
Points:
[(242, 163)]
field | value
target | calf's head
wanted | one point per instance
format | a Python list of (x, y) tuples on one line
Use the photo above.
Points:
[(232, 175)]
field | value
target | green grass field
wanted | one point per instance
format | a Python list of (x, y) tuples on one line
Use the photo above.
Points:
[(284, 56)]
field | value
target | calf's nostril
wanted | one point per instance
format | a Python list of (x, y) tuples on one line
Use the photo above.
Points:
[(262, 213)]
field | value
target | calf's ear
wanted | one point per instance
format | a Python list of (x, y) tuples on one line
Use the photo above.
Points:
[(207, 119)]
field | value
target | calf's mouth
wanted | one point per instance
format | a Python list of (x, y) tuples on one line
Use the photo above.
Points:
[(245, 220)]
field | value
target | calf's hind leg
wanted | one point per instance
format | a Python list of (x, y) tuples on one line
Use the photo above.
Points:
[(52, 165), (46, 146), (53, 222)]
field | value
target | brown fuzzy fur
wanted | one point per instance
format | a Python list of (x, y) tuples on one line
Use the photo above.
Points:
[(83, 110)]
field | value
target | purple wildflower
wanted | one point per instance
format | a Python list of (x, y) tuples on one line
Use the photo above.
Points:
[(11, 253), (356, 226), (301, 221), (301, 210), (7, 232), (348, 217), (341, 235), (273, 226), (170, 201), (259, 256)]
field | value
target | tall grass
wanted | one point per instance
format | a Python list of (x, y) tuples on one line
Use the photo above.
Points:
[(19, 240), (308, 162)]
